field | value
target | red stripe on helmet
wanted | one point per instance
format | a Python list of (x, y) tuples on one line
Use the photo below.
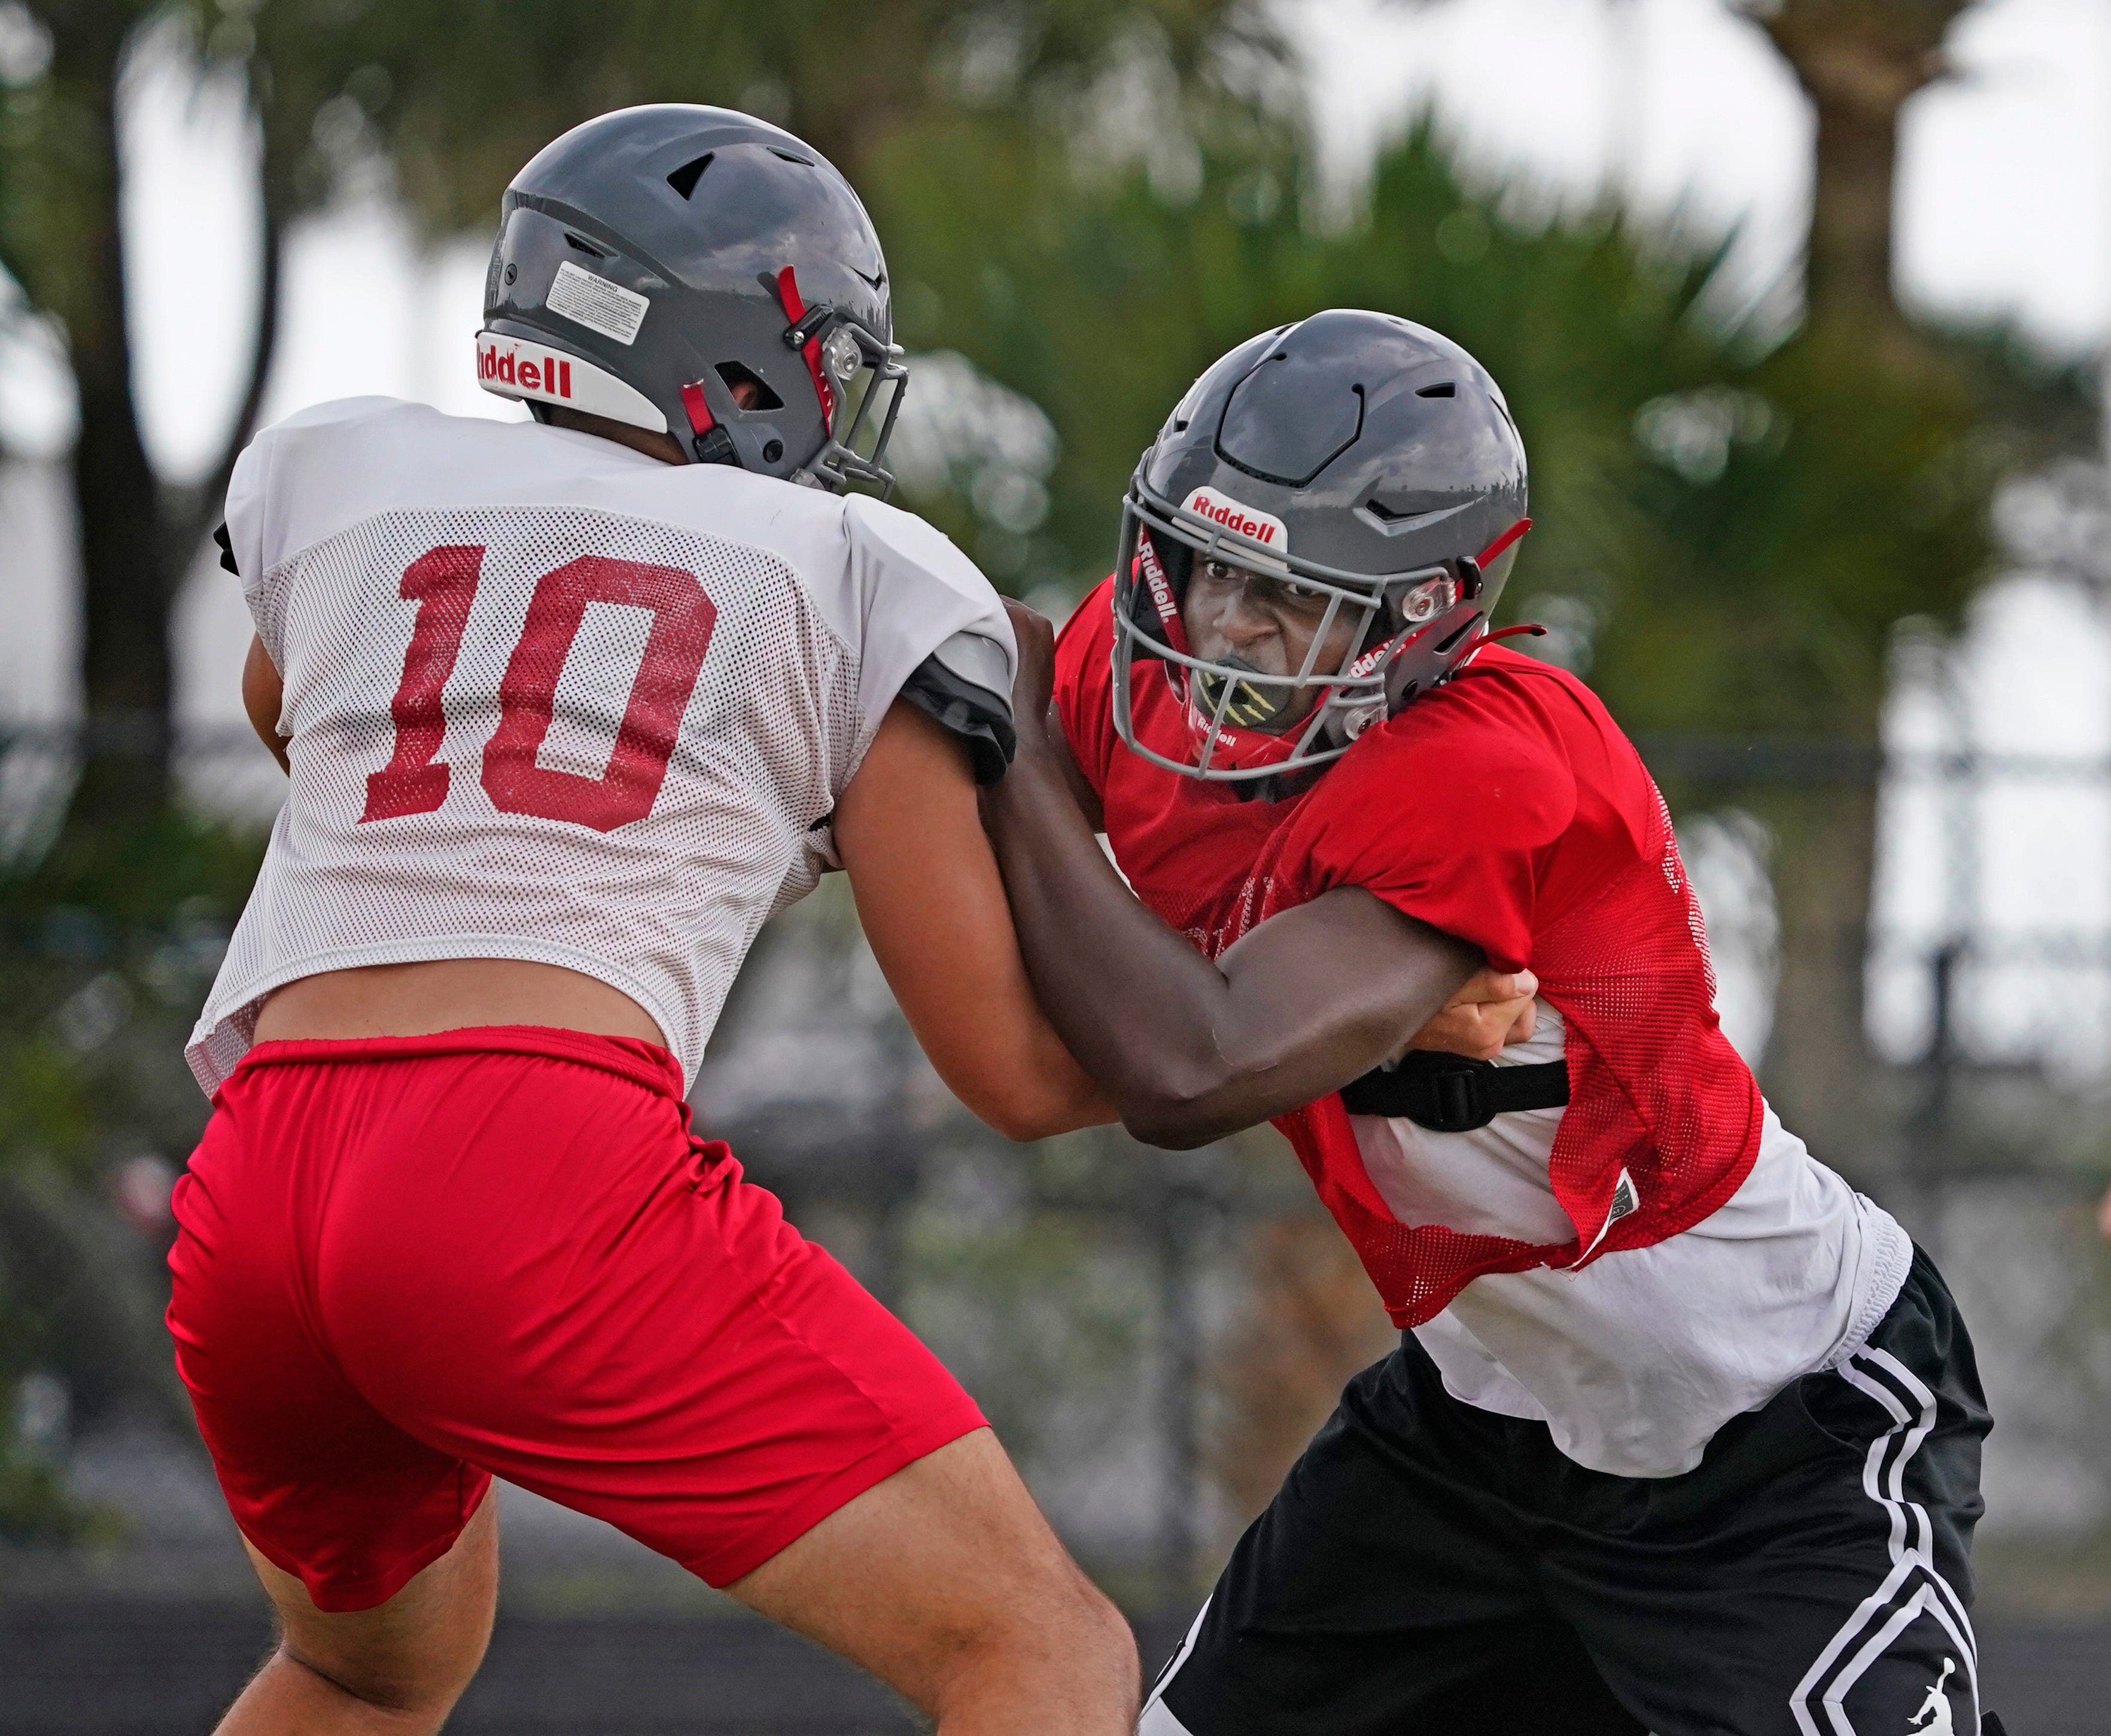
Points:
[(1502, 543), (701, 421), (794, 311)]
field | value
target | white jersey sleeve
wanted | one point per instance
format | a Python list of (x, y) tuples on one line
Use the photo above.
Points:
[(892, 550), (547, 698)]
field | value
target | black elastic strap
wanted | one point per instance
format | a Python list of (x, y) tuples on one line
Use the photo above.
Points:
[(1449, 1093)]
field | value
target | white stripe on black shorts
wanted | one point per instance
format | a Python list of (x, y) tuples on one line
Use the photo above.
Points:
[(1429, 1567)]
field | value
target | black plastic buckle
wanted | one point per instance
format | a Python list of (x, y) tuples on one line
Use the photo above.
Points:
[(1457, 1103)]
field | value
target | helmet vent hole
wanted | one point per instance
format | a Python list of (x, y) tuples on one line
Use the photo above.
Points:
[(587, 247), (1377, 509), (683, 180), (1456, 634), (1442, 389), (792, 157), (737, 375)]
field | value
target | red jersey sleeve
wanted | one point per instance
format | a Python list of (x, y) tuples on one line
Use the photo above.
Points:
[(1084, 684), (1450, 813)]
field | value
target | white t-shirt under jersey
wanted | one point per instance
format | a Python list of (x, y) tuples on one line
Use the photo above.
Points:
[(549, 699), (1634, 1362)]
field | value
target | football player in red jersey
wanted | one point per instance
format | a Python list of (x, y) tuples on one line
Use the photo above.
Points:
[(1683, 1434), (570, 705)]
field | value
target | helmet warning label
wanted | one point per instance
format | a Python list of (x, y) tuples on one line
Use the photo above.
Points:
[(598, 304), (1249, 521)]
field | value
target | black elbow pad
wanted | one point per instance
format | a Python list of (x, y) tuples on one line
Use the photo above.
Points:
[(965, 684)]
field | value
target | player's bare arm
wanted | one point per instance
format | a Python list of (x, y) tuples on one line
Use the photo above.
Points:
[(1189, 1050), (933, 905), (1489, 1012), (262, 694)]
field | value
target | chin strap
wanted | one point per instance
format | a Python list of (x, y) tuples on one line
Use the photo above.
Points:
[(1502, 633)]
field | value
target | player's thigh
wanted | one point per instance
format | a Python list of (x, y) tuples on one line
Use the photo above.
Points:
[(1387, 1588), (946, 1568), (1826, 1583), (418, 1650)]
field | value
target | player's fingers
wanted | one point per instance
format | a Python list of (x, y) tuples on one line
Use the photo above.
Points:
[(1035, 636), (1525, 1023), (1509, 986), (1485, 985), (1495, 1026), (1464, 1031), (1489, 986)]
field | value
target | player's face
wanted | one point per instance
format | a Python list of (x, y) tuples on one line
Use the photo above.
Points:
[(1267, 624)]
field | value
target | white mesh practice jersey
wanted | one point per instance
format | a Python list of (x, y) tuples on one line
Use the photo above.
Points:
[(549, 699)]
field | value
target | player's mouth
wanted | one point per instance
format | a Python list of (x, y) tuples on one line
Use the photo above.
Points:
[(1251, 705)]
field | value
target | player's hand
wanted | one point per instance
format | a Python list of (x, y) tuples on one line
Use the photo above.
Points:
[(1493, 1010), (1035, 682)]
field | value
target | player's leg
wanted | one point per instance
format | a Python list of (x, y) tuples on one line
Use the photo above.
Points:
[(378, 1553), (397, 1669), (1388, 1588), (945, 1582), (548, 1277), (1813, 1576)]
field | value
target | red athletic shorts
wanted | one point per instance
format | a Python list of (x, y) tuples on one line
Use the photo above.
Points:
[(409, 1264)]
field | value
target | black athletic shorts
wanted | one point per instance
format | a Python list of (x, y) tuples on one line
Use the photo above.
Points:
[(1430, 1567)]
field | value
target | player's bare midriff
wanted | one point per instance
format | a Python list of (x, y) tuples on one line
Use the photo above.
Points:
[(403, 1000)]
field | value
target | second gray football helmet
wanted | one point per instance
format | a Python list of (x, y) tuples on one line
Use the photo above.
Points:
[(653, 261), (1356, 457)]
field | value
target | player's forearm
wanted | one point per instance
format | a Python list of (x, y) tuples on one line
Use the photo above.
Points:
[(1052, 1094), (1014, 1075), (1146, 1013)]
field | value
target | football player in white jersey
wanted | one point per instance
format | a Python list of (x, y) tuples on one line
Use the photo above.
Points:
[(570, 706)]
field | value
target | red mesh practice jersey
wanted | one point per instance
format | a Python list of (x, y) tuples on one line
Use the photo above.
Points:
[(1507, 808), (547, 698)]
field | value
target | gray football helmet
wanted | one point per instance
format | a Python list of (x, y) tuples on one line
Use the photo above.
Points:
[(1356, 457), (652, 261)]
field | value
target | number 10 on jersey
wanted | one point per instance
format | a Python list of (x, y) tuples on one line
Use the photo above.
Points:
[(442, 583)]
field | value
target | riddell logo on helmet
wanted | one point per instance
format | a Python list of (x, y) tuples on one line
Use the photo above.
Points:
[(502, 363), (1249, 521)]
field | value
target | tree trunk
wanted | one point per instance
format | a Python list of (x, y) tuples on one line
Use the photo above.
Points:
[(1859, 63), (127, 566), (139, 538), (1820, 1073)]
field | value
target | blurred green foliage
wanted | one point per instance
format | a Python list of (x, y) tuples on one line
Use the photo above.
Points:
[(106, 947), (1728, 525)]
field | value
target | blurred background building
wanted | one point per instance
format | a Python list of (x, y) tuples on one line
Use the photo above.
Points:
[(1801, 306)]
